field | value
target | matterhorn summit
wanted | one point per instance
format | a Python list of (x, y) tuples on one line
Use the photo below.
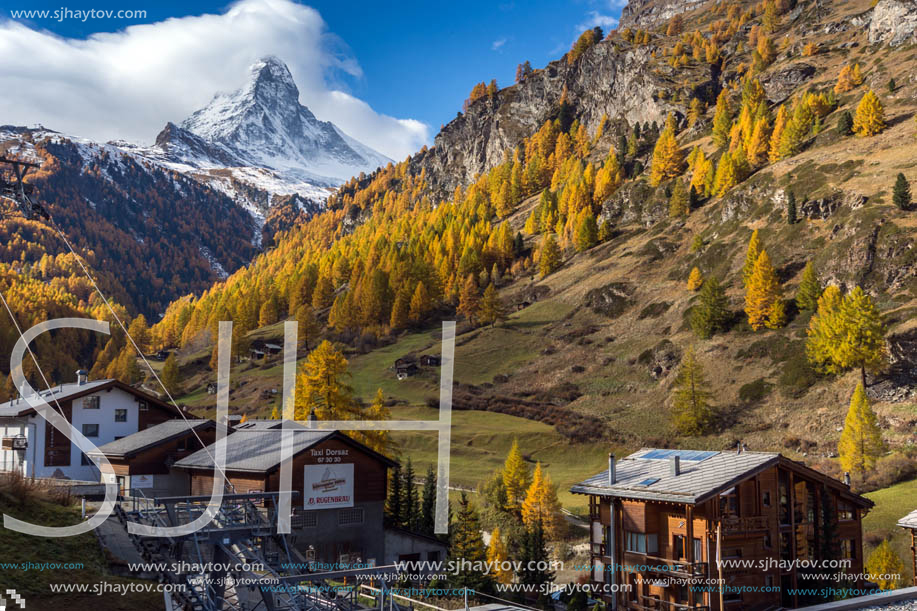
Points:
[(260, 142)]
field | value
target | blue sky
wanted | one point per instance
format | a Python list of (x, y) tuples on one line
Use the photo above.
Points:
[(419, 59)]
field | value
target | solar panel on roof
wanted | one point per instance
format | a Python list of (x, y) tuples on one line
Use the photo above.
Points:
[(689, 455), (649, 482)]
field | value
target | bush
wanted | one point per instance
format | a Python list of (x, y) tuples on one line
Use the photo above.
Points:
[(797, 376), (754, 391)]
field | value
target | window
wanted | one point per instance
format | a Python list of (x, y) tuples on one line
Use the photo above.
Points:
[(729, 502), (848, 549), (766, 498), (634, 542), (769, 581), (90, 430), (310, 519), (678, 546), (120, 415), (91, 402), (350, 517), (143, 406), (845, 511), (768, 543)]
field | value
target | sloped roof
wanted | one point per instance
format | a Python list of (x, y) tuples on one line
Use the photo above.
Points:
[(66, 392), (909, 521), (647, 475), (257, 450), (141, 440)]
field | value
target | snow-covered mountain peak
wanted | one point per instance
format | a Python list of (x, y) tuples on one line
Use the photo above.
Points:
[(263, 124)]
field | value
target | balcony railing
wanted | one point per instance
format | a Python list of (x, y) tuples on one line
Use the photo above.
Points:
[(735, 524), (653, 603), (667, 566)]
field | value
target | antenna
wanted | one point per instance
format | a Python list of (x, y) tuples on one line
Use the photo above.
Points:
[(14, 189)]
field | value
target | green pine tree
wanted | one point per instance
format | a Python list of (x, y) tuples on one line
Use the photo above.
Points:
[(790, 208), (711, 314), (809, 290), (901, 193)]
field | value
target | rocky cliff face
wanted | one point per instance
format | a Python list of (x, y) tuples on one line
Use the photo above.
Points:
[(894, 22), (649, 13), (610, 79)]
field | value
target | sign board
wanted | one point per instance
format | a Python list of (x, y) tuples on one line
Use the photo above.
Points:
[(328, 486), (141, 481)]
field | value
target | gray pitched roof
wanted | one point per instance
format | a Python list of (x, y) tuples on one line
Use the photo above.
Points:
[(647, 475), (62, 392), (141, 440), (909, 521), (255, 450)]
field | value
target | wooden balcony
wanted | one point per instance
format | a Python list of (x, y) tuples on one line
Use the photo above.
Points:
[(733, 525)]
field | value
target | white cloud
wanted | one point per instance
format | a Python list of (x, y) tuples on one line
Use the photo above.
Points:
[(595, 18), (497, 44), (128, 84)]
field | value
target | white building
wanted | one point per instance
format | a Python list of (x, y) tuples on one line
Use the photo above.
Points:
[(102, 410)]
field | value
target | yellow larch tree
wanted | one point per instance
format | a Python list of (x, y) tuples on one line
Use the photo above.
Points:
[(515, 477), (695, 279), (497, 556), (667, 158), (762, 294), (861, 441), (869, 119), (541, 505)]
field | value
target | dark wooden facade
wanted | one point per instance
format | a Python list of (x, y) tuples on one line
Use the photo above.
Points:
[(784, 513)]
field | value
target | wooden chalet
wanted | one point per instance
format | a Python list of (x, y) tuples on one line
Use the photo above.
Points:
[(660, 520), (910, 523)]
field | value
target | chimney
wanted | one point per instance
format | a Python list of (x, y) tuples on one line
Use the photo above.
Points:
[(676, 466), (82, 376), (612, 476), (312, 417), (738, 447), (847, 478)]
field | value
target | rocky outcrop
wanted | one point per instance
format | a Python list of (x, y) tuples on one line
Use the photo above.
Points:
[(649, 13), (611, 79), (779, 86), (611, 300), (894, 22)]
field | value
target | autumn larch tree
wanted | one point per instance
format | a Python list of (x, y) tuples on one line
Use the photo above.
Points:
[(763, 301), (869, 119), (846, 332), (498, 558), (515, 478), (722, 119), (691, 411), (751, 257), (695, 279), (667, 157), (491, 309), (587, 231), (727, 175), (884, 567), (140, 332), (861, 441), (541, 505), (171, 378), (550, 257), (469, 299)]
